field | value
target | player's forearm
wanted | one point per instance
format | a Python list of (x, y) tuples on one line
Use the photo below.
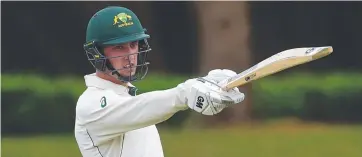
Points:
[(153, 107), (130, 113)]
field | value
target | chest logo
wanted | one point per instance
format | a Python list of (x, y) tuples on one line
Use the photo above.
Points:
[(103, 102)]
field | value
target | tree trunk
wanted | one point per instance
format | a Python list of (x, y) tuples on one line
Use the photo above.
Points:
[(223, 39)]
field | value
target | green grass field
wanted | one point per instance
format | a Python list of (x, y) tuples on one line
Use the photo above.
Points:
[(272, 140)]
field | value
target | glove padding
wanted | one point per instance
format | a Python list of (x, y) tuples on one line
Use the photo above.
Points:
[(218, 75), (207, 98)]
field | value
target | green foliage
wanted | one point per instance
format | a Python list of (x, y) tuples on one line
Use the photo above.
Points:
[(74, 85), (159, 82), (27, 112), (271, 140), (48, 104), (305, 94)]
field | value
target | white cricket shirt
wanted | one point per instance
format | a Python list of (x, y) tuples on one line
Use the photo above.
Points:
[(111, 123)]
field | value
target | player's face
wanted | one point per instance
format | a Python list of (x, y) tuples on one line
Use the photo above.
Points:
[(123, 57)]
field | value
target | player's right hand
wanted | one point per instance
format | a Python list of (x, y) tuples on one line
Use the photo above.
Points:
[(207, 98)]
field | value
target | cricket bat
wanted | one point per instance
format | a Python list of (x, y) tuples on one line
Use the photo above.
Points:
[(276, 63)]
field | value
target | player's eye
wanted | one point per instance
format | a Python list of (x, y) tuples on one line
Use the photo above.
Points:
[(134, 44), (119, 47)]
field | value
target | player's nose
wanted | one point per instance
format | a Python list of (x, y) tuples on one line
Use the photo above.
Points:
[(130, 57)]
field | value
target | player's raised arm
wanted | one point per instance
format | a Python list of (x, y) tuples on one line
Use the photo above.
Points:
[(107, 113)]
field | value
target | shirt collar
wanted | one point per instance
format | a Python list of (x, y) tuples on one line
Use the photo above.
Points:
[(92, 80)]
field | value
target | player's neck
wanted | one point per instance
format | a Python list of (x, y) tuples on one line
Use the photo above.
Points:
[(110, 78)]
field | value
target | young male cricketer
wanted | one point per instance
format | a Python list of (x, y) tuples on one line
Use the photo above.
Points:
[(111, 121)]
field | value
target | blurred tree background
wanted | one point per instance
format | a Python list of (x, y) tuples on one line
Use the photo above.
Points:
[(43, 64)]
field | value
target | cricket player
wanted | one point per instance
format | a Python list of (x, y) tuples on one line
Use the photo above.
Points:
[(111, 120)]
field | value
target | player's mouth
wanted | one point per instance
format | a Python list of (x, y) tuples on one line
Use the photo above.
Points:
[(129, 66)]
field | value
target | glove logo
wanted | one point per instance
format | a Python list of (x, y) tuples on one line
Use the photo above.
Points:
[(199, 102)]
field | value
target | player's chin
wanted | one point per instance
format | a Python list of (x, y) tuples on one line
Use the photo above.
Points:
[(127, 73)]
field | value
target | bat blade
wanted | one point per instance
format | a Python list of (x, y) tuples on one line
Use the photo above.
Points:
[(276, 63)]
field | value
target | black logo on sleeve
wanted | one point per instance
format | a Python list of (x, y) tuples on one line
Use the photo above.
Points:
[(199, 102)]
